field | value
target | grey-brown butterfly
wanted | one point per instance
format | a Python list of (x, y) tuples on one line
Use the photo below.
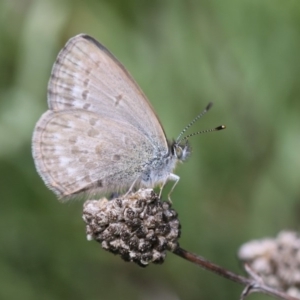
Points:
[(100, 133)]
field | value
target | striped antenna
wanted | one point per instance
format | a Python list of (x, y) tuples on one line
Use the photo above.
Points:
[(208, 107), (221, 127)]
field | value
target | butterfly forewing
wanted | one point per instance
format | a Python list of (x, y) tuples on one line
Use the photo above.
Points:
[(87, 76)]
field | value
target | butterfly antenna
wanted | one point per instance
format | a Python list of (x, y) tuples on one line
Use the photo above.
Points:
[(221, 127), (208, 107)]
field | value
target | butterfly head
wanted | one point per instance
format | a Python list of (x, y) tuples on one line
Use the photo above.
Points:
[(181, 149)]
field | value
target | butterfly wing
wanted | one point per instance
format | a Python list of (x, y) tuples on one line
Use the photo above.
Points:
[(77, 152), (87, 76)]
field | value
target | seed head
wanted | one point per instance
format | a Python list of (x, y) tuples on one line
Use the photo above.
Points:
[(139, 227)]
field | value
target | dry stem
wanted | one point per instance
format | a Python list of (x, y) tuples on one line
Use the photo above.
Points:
[(254, 284)]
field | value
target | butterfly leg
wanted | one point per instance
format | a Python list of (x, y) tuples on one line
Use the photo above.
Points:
[(172, 177), (175, 178), (161, 188), (131, 187)]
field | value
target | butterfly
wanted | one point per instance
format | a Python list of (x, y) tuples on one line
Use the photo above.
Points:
[(100, 134)]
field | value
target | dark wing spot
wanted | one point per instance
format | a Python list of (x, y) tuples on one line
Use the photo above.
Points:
[(75, 150), (53, 76), (61, 123), (118, 99), (99, 183), (39, 129), (93, 132), (98, 149), (90, 165), (85, 94), (83, 159), (58, 59), (87, 178), (67, 89), (116, 157), (72, 139), (86, 82), (86, 106), (93, 121)]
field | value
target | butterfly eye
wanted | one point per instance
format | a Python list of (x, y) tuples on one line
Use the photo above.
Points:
[(178, 152)]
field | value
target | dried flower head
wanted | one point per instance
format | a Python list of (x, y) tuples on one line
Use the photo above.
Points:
[(138, 227), (276, 261)]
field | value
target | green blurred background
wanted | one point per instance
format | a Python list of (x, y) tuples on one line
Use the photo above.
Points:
[(240, 184)]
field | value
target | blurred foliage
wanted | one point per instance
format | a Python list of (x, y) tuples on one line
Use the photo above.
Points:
[(240, 184)]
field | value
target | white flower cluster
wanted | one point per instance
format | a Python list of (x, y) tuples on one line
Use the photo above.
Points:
[(276, 261)]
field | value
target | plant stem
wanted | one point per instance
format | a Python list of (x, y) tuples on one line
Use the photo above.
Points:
[(251, 284)]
